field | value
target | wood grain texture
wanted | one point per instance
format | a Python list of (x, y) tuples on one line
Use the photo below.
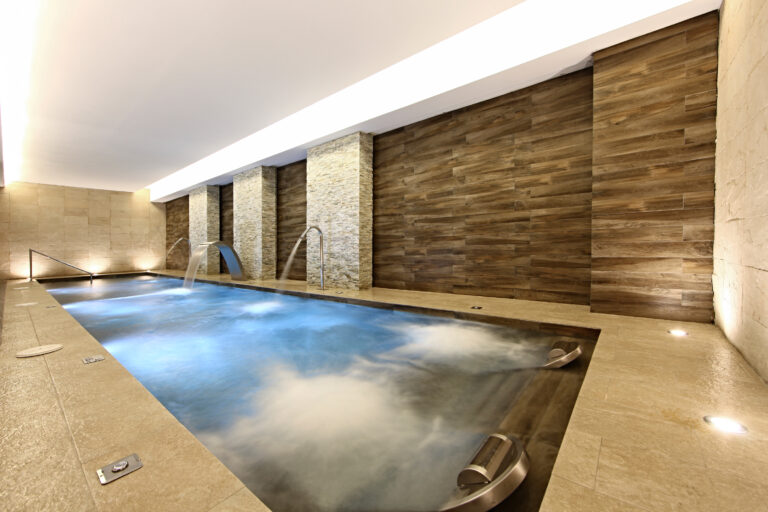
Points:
[(492, 199), (226, 219), (653, 183), (177, 226), (292, 217)]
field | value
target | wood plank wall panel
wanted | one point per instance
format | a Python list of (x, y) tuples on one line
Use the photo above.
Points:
[(492, 199), (654, 163), (292, 217), (177, 226), (226, 219)]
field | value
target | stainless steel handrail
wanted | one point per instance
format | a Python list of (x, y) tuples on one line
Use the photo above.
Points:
[(57, 261)]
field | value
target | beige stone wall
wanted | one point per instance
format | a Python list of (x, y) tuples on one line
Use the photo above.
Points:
[(741, 200), (98, 230), (255, 221), (340, 202), (204, 224)]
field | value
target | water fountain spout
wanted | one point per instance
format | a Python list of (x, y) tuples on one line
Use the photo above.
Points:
[(303, 236), (177, 242), (234, 264)]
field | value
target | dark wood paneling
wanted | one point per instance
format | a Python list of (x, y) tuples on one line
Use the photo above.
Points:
[(653, 184), (177, 226), (226, 219), (292, 217), (493, 199)]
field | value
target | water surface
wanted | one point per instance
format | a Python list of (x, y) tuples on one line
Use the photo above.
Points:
[(314, 405)]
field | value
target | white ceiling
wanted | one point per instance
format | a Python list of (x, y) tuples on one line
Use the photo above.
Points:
[(174, 93), (123, 93)]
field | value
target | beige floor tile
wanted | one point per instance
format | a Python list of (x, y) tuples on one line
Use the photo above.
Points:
[(189, 478), (577, 458), (647, 476), (242, 501), (565, 496)]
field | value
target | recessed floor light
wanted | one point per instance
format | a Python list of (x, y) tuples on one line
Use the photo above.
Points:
[(726, 424), (476, 307), (677, 332)]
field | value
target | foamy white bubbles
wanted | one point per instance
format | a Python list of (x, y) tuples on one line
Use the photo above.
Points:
[(263, 308), (361, 429), (468, 348), (174, 291)]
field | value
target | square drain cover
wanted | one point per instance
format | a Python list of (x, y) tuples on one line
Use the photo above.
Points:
[(119, 468)]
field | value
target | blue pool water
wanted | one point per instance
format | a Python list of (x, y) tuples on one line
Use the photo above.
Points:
[(314, 405)]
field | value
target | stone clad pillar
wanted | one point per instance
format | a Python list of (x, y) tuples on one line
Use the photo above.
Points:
[(204, 224), (340, 203), (255, 221)]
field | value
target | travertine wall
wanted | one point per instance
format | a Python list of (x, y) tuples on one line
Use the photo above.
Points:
[(255, 230), (98, 230), (339, 202), (204, 224), (741, 178)]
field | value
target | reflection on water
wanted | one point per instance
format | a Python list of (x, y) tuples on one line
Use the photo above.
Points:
[(315, 405)]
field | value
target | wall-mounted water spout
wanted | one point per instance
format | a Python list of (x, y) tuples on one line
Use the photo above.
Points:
[(177, 242), (288, 264), (228, 253)]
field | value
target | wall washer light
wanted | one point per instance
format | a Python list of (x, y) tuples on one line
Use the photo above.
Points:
[(677, 332), (726, 424)]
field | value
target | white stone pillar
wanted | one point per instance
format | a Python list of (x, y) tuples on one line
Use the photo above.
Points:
[(204, 224), (255, 221), (340, 203)]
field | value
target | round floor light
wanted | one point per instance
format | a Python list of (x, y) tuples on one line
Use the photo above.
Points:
[(726, 424), (677, 332)]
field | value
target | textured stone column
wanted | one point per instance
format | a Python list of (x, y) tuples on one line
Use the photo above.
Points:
[(204, 224), (255, 216), (340, 202)]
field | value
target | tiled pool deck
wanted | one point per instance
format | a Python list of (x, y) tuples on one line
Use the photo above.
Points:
[(635, 441)]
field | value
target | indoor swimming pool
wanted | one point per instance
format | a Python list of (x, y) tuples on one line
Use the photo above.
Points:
[(317, 405)]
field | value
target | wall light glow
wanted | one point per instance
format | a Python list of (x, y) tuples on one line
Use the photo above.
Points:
[(726, 425), (18, 35), (528, 31)]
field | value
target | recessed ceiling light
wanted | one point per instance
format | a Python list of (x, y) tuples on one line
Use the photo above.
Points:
[(677, 332), (726, 424)]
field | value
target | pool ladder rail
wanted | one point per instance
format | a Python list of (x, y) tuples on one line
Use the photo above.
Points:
[(31, 273)]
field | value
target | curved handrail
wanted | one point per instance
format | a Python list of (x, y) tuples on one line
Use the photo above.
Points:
[(57, 261)]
